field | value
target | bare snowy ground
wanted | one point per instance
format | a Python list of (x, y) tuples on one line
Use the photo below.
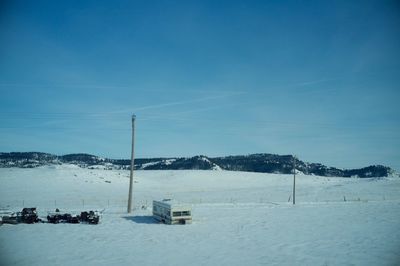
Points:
[(239, 219)]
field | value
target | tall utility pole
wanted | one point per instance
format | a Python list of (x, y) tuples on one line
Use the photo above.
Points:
[(132, 165), (294, 180)]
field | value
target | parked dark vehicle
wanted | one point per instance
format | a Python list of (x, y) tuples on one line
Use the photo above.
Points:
[(9, 219), (74, 219), (57, 217), (90, 217), (54, 218), (29, 216)]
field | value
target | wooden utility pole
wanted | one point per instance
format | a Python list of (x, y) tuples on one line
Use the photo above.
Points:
[(294, 180), (132, 165)]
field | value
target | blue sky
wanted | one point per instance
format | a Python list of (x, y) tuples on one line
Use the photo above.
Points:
[(319, 79)]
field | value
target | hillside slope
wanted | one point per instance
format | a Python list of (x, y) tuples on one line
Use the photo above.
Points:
[(263, 163)]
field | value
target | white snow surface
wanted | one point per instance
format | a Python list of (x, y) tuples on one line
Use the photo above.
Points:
[(239, 218)]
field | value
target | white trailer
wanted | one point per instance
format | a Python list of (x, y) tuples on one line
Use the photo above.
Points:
[(171, 212)]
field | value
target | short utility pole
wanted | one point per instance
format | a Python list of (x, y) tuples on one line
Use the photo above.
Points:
[(294, 180)]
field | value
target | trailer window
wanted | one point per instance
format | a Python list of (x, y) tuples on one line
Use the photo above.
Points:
[(177, 214), (186, 213)]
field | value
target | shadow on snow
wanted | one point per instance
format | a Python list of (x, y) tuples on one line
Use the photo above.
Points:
[(142, 219)]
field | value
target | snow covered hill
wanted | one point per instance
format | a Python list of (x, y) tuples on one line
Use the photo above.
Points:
[(262, 163), (240, 218)]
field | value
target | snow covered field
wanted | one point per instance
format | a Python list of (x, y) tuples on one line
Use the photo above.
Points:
[(239, 218)]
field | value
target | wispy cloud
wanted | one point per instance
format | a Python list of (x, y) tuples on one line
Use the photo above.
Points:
[(313, 82), (176, 103)]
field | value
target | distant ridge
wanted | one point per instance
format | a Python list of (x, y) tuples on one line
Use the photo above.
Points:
[(263, 163)]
